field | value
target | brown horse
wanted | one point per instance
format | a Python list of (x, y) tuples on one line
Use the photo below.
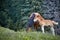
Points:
[(43, 22)]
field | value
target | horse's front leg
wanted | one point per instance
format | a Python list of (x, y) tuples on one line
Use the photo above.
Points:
[(53, 31), (42, 28)]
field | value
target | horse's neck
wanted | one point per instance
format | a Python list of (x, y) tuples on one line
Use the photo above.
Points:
[(41, 18)]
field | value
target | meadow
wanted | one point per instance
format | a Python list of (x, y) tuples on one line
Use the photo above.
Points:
[(7, 34)]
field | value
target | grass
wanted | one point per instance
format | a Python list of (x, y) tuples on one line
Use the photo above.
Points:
[(7, 34)]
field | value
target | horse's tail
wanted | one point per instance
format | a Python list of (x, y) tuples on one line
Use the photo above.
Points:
[(56, 23)]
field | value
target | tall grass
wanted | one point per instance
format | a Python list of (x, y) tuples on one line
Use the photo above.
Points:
[(6, 34)]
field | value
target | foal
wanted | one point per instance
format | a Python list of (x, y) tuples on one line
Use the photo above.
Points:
[(43, 23)]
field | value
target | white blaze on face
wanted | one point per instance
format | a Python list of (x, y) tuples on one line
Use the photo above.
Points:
[(35, 20)]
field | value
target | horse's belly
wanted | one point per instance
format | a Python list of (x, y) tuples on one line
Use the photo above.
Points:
[(47, 24)]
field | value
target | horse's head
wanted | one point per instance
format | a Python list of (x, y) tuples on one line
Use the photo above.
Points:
[(33, 18), (37, 16)]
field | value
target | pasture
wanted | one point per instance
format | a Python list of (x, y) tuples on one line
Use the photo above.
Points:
[(7, 34)]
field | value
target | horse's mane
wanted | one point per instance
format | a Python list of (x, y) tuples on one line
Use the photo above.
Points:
[(40, 16)]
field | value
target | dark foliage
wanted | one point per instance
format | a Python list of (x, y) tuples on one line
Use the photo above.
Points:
[(14, 14)]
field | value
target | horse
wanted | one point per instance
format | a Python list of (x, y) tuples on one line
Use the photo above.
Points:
[(44, 22)]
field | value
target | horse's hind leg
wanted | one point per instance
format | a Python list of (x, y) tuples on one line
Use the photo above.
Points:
[(42, 28), (53, 31)]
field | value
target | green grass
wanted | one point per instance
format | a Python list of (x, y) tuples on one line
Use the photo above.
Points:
[(7, 34)]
